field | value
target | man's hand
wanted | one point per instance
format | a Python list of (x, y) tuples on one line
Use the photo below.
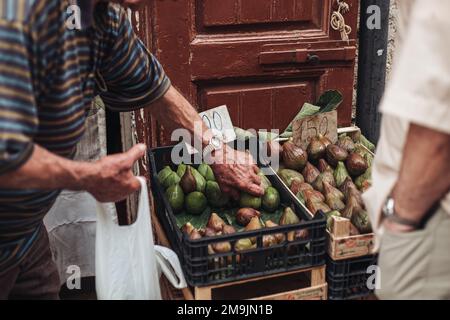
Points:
[(235, 170), (111, 179)]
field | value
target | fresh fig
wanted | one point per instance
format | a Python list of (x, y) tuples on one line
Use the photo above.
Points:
[(181, 170), (187, 228), (356, 165), (195, 235), (369, 159), (294, 157), (316, 149), (366, 143), (175, 196), (289, 217), (206, 171), (330, 191), (221, 247), (310, 173), (265, 183), (300, 197), (346, 186), (334, 202), (171, 180), (271, 200), (279, 236), (336, 154), (361, 221), (313, 195), (215, 196), (351, 207), (245, 215), (346, 143), (326, 176), (340, 174), (364, 181), (215, 223), (301, 234), (243, 245), (199, 179), (324, 166), (274, 149), (330, 219), (297, 187), (209, 232), (227, 229), (249, 201), (254, 224), (325, 141), (315, 207), (195, 203), (288, 175), (163, 174), (188, 183), (269, 241)]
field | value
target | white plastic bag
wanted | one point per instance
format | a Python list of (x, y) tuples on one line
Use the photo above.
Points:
[(125, 257)]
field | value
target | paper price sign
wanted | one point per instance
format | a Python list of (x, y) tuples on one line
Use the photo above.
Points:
[(307, 128)]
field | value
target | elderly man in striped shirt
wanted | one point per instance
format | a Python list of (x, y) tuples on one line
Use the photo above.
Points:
[(49, 75)]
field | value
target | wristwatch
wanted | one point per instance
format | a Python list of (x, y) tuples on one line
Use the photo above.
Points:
[(215, 143), (390, 214)]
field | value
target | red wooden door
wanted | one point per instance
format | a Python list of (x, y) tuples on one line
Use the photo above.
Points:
[(262, 58)]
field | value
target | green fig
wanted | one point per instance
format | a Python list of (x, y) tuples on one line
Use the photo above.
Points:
[(288, 175), (340, 174), (356, 165), (364, 181), (347, 186), (175, 196), (215, 196), (330, 219), (188, 182), (206, 171), (366, 143), (171, 180), (181, 170), (244, 244), (310, 173), (289, 217), (336, 154), (163, 174), (361, 221), (294, 157), (245, 215), (334, 202), (200, 181), (326, 176), (249, 201), (346, 143), (316, 149), (351, 207), (271, 200), (265, 183), (300, 197), (196, 203), (369, 159)]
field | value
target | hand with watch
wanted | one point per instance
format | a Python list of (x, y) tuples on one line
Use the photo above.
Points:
[(395, 221), (231, 167)]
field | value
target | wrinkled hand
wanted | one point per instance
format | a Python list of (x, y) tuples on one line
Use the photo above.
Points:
[(111, 178), (236, 170)]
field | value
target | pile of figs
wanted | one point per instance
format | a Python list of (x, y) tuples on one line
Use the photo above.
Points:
[(331, 177)]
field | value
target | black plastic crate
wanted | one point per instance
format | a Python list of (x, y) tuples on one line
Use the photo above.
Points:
[(347, 279), (202, 269)]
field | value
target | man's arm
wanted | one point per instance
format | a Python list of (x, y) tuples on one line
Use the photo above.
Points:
[(234, 170), (109, 179), (424, 176)]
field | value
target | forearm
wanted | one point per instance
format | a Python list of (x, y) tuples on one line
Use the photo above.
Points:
[(173, 111), (47, 171), (425, 172)]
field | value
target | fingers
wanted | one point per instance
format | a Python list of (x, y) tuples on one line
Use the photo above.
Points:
[(256, 179), (255, 190), (134, 154), (255, 169)]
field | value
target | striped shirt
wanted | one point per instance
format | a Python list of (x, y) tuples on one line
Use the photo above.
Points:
[(49, 75)]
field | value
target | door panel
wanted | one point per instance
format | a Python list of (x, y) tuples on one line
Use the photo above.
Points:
[(262, 58)]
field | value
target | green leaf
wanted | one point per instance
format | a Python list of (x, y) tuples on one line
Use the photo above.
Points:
[(306, 111), (329, 101)]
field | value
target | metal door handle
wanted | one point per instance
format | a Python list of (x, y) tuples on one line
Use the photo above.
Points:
[(308, 56)]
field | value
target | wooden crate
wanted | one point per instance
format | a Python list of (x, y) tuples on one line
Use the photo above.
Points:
[(341, 245), (306, 284)]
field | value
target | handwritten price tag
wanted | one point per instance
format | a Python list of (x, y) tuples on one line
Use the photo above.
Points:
[(307, 128)]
